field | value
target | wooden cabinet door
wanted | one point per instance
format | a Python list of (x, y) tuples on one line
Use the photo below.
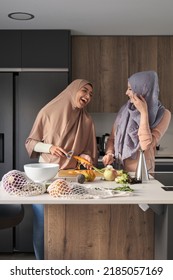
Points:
[(108, 61), (103, 60), (10, 49), (165, 70), (142, 53), (45, 49)]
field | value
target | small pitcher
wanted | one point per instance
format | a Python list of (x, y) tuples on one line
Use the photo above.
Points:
[(141, 174)]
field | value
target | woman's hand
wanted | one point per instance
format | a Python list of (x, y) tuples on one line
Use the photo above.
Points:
[(88, 158), (57, 151), (140, 103), (108, 159)]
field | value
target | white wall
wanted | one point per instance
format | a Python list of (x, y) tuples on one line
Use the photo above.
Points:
[(166, 143), (103, 122)]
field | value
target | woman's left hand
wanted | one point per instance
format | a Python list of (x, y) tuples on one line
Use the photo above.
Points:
[(88, 158)]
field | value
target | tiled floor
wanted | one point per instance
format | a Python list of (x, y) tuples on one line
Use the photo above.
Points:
[(17, 256)]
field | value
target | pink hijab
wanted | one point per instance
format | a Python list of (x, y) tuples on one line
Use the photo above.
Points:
[(62, 124)]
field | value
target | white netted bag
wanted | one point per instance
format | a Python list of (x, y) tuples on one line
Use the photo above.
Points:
[(15, 182), (59, 188), (63, 189)]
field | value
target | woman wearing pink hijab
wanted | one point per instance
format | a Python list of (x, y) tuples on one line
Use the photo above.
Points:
[(64, 125), (61, 126), (140, 123)]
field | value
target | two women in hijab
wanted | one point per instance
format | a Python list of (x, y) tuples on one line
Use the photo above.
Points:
[(140, 124)]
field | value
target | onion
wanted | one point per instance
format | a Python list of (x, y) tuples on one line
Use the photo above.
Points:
[(110, 173)]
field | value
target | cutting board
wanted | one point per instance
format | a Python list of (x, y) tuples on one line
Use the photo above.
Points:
[(70, 173)]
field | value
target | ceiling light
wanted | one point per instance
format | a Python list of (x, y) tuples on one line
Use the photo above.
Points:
[(20, 16)]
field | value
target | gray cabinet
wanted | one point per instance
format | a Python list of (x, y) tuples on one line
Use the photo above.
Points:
[(45, 49), (44, 55), (164, 166), (6, 123), (33, 91), (10, 49), (22, 95), (35, 49)]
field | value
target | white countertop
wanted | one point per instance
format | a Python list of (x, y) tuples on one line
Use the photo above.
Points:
[(145, 193)]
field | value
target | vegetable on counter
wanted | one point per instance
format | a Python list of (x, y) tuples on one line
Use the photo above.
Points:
[(123, 177), (80, 178), (83, 161), (88, 173), (109, 173), (125, 188)]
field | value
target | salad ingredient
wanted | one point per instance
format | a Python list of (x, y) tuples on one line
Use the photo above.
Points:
[(125, 188), (123, 177), (110, 173), (80, 178)]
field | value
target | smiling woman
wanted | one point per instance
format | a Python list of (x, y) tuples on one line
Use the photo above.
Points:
[(62, 125), (83, 96), (140, 124)]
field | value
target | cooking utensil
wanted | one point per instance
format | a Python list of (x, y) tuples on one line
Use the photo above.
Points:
[(69, 154)]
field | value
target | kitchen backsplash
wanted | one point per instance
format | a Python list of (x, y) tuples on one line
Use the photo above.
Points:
[(104, 122)]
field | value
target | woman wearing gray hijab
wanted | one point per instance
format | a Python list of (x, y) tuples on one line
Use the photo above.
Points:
[(140, 123)]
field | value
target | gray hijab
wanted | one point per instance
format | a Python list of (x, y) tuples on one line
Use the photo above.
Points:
[(128, 118)]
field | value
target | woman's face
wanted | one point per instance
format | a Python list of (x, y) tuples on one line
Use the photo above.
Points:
[(130, 93), (83, 96)]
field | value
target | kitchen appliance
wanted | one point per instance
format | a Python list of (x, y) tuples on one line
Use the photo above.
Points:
[(104, 140), (35, 66), (23, 94)]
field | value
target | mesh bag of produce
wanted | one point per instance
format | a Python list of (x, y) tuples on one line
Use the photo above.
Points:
[(16, 183), (62, 189)]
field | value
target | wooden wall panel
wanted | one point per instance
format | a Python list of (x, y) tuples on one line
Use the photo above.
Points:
[(114, 71), (103, 61), (98, 232), (165, 70), (86, 64), (142, 54), (108, 61)]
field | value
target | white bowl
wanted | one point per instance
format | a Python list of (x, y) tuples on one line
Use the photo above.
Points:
[(40, 172)]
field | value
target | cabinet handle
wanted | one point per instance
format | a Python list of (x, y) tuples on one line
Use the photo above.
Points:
[(1, 147)]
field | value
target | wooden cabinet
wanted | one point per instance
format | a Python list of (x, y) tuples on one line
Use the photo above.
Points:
[(108, 61), (98, 232), (35, 49), (103, 61), (142, 54), (165, 70)]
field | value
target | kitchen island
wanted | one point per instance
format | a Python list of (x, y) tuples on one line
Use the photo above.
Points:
[(102, 228)]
